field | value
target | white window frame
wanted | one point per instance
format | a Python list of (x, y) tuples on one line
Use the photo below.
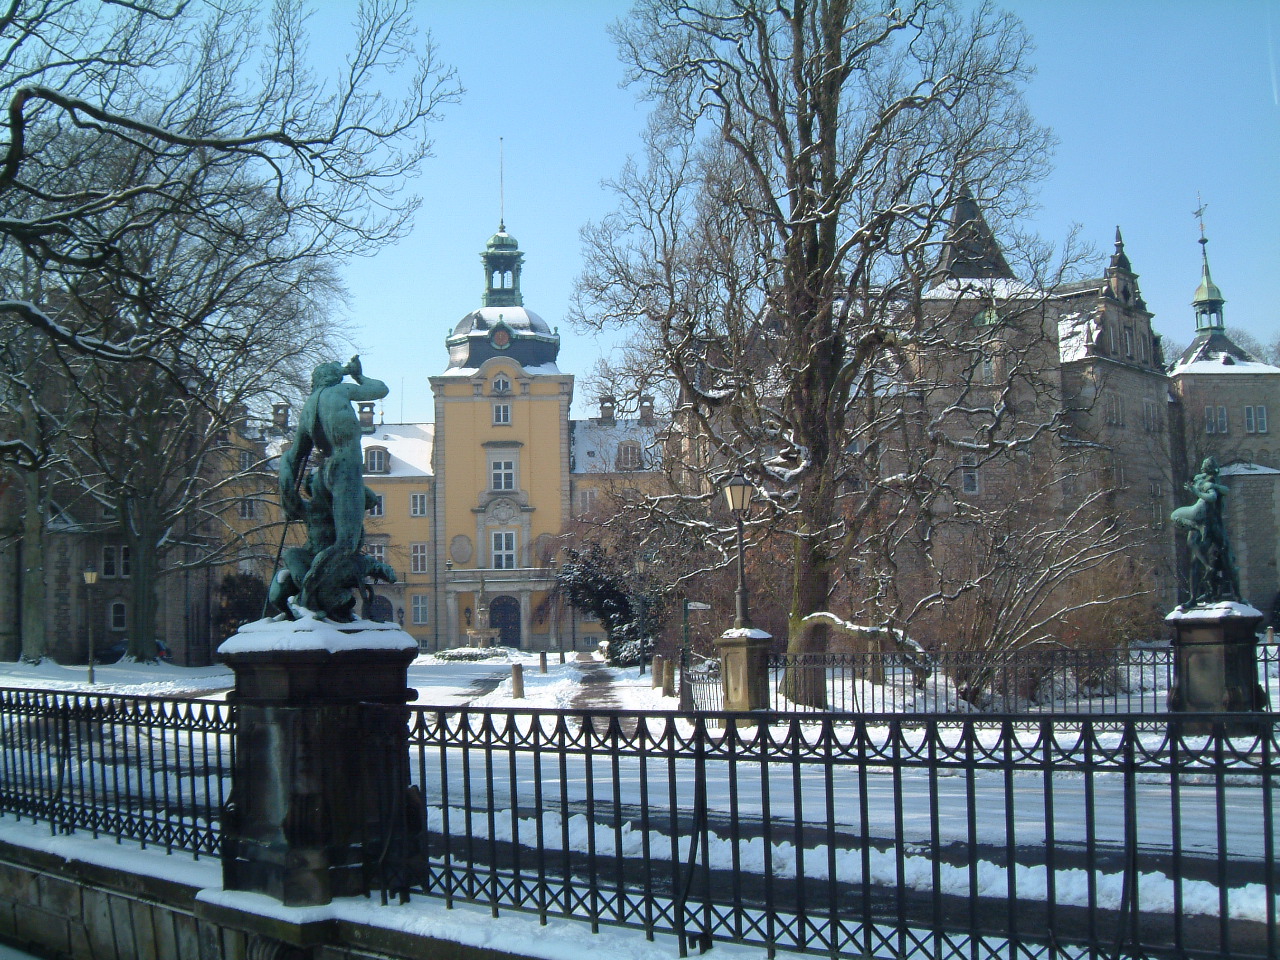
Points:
[(1223, 423), (417, 504), (246, 460), (379, 509), (376, 551), (376, 460), (1255, 419), (502, 549), (630, 455), (419, 557), (117, 616), (586, 500), (419, 609), (501, 384), (110, 570), (1150, 419), (502, 414), (970, 481), (502, 474), (987, 371), (126, 568)]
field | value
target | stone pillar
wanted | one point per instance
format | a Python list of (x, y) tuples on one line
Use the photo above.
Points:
[(744, 668), (451, 618), (526, 620), (1216, 662), (320, 788)]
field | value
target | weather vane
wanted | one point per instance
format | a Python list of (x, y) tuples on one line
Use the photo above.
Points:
[(1198, 213)]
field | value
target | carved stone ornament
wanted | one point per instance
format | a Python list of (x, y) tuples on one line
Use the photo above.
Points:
[(460, 549), (503, 511)]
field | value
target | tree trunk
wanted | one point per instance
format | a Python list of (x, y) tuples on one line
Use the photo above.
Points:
[(811, 586), (34, 640), (142, 610)]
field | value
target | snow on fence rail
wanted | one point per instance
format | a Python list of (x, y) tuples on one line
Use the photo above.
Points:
[(1123, 680), (879, 835)]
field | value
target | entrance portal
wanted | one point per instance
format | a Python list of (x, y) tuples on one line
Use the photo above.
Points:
[(504, 616)]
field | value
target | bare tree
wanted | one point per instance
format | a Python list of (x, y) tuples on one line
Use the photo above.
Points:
[(197, 117), (780, 238)]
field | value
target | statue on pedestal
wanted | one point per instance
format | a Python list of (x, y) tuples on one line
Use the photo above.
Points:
[(320, 576), (1214, 576)]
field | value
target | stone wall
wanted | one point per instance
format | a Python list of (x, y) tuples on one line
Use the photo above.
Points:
[(72, 910)]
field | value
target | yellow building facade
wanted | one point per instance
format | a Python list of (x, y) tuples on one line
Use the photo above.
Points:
[(473, 505)]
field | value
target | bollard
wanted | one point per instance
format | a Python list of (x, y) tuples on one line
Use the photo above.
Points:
[(656, 673), (669, 679), (517, 681), (542, 662), (1271, 634)]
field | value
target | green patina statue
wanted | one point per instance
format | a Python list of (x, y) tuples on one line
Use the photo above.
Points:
[(1214, 576), (320, 576)]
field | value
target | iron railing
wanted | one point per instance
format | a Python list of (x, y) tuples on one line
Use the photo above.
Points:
[(858, 835), (1039, 681), (136, 768)]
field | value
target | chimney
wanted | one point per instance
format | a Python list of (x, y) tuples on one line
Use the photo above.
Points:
[(280, 416), (366, 415), (607, 405), (646, 408)]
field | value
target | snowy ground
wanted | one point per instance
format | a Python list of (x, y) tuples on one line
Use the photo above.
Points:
[(439, 682)]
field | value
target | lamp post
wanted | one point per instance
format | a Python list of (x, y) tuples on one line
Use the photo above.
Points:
[(90, 578), (642, 564), (737, 493)]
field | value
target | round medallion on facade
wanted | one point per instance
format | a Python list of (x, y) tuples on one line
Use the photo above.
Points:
[(460, 549), (501, 338)]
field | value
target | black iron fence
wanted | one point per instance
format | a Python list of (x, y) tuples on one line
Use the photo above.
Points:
[(136, 768), (1054, 680), (847, 835), (959, 836)]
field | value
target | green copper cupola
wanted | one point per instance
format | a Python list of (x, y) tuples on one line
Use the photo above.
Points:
[(1208, 298), (502, 259)]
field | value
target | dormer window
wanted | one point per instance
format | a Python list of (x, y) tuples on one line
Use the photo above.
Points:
[(377, 460), (629, 455), (501, 384), (986, 318)]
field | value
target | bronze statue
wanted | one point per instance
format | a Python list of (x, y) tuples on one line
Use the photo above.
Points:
[(1213, 570), (323, 573)]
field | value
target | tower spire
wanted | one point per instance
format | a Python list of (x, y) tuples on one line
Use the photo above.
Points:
[(502, 192), (1208, 299)]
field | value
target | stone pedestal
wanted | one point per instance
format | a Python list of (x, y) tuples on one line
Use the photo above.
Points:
[(1216, 661), (483, 638), (744, 668), (320, 804)]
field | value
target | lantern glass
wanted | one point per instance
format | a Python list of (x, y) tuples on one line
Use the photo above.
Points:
[(737, 493)]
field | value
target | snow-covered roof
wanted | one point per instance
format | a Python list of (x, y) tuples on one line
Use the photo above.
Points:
[(408, 444), (1248, 470), (1076, 332), (994, 288), (533, 370), (1223, 363), (593, 444)]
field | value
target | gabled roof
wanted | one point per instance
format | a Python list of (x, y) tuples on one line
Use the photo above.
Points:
[(1212, 351)]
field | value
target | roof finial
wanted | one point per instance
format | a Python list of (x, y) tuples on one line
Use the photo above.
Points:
[(502, 197), (1198, 213)]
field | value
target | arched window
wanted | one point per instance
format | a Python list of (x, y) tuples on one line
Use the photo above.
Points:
[(118, 616), (501, 384), (376, 460)]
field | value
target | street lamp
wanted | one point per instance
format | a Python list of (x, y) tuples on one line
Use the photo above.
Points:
[(90, 578), (737, 493)]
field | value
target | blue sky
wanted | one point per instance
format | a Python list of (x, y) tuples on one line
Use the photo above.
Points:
[(1152, 101)]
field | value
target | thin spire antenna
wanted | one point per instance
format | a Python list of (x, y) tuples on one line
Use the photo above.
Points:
[(502, 193), (1198, 213)]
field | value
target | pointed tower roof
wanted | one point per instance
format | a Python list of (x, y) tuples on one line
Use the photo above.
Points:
[(970, 250), (1120, 259)]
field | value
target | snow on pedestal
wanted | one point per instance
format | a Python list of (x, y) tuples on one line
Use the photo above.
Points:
[(315, 633)]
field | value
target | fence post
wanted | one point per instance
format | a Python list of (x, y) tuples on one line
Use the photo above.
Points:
[(542, 662), (744, 668), (517, 681)]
